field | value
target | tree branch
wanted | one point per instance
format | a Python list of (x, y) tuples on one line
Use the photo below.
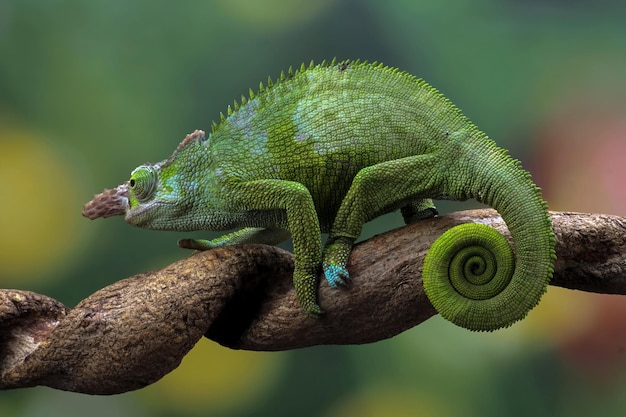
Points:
[(131, 333)]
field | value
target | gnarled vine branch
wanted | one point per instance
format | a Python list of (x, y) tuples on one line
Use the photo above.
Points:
[(131, 333)]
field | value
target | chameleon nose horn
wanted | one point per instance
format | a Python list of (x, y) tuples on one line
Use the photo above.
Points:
[(110, 202)]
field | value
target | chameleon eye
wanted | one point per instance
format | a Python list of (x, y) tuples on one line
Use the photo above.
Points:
[(142, 183)]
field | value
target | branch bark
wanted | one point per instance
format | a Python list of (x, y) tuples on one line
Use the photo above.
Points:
[(131, 333)]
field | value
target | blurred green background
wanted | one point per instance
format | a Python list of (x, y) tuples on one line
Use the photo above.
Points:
[(91, 89)]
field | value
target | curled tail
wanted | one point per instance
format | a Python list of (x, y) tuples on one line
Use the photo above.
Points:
[(471, 275)]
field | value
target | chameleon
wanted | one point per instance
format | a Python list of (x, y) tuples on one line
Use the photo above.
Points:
[(326, 148)]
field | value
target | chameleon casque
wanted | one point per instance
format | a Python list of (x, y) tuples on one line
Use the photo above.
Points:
[(327, 148)]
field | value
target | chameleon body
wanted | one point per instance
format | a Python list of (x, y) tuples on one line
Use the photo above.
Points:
[(327, 148)]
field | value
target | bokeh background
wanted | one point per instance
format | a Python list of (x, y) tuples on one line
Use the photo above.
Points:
[(91, 89)]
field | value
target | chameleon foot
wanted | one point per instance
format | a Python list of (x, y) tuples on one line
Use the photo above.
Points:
[(306, 289), (196, 244), (336, 275), (335, 262), (418, 210)]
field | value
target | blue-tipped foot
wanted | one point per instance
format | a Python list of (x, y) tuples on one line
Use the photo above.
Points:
[(336, 275)]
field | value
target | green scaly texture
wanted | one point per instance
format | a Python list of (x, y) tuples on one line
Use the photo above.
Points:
[(327, 148)]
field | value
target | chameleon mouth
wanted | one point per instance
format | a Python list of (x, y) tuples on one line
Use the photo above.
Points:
[(137, 215), (110, 202)]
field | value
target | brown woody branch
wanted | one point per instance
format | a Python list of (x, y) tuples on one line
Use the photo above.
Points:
[(133, 332)]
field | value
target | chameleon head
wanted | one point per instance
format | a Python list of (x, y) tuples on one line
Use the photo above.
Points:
[(157, 196), (152, 198), (149, 199)]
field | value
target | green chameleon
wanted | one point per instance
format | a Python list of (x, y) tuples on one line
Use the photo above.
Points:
[(329, 147)]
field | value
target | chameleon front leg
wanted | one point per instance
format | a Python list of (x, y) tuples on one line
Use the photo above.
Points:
[(377, 189), (289, 204), (267, 236)]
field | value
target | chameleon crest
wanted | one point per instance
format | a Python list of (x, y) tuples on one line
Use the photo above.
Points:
[(327, 148)]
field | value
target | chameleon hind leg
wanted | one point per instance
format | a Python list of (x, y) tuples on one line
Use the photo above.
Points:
[(375, 190), (336, 253)]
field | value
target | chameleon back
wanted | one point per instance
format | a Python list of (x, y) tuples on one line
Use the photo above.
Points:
[(321, 125)]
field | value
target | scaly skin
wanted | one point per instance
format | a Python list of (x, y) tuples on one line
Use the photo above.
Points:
[(332, 146)]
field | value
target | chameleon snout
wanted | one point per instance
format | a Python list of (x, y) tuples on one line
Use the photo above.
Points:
[(110, 202)]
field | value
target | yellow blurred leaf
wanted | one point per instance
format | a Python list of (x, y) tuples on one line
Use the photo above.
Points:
[(212, 377), (39, 208)]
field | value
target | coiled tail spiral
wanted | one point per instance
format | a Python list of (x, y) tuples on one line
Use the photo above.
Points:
[(471, 274), (464, 270)]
